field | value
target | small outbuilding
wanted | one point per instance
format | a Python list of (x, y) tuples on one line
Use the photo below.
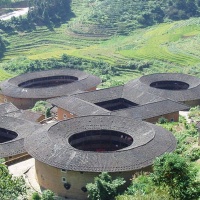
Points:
[(70, 153)]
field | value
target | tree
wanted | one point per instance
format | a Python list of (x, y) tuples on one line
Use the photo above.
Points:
[(47, 195), (47, 11), (104, 188), (5, 2), (2, 47), (178, 175), (48, 113), (35, 196), (10, 187)]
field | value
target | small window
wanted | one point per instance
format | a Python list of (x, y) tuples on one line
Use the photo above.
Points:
[(84, 189), (172, 119), (64, 116), (64, 180), (67, 186), (63, 170)]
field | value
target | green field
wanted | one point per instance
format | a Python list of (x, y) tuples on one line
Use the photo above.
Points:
[(170, 47)]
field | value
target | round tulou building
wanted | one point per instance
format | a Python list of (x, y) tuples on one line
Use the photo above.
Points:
[(70, 153), (175, 86), (12, 134), (26, 89)]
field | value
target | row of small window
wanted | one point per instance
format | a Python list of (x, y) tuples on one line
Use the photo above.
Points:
[(67, 186), (64, 170)]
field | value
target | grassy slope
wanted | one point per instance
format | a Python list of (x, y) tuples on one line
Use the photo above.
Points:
[(173, 44)]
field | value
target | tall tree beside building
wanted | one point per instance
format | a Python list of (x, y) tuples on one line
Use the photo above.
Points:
[(49, 11), (2, 47)]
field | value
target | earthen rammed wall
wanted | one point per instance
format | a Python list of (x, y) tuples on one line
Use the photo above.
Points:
[(64, 114), (170, 117), (54, 179)]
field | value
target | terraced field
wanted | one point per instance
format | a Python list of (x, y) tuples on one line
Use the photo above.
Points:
[(169, 47), (4, 75), (164, 43)]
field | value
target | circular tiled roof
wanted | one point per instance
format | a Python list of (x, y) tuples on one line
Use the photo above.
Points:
[(80, 81), (51, 145), (21, 128), (190, 92)]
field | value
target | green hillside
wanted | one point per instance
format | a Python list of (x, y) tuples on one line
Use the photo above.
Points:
[(108, 17), (164, 47)]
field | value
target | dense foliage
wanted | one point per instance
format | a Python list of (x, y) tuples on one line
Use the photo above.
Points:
[(40, 106), (49, 11), (104, 188), (178, 175), (2, 47), (46, 195), (173, 177), (41, 12), (24, 65), (10, 187), (5, 2), (194, 114), (126, 15)]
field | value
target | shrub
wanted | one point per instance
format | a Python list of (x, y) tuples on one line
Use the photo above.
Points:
[(35, 196), (178, 175), (104, 188), (47, 195), (162, 120)]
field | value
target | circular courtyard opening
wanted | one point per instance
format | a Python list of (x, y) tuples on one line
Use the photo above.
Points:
[(50, 81), (170, 85), (100, 140), (7, 135)]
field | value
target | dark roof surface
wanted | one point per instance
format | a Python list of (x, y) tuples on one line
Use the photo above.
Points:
[(7, 108), (23, 128), (192, 93), (77, 106), (50, 144), (124, 91), (150, 105), (85, 82), (26, 114), (150, 110)]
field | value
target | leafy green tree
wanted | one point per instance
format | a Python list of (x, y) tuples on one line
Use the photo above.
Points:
[(178, 175), (5, 2), (47, 195), (49, 11), (2, 47), (10, 187), (40, 106), (48, 113), (36, 196), (104, 188), (162, 120), (141, 184)]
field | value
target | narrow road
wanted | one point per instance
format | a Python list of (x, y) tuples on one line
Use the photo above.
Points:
[(17, 13)]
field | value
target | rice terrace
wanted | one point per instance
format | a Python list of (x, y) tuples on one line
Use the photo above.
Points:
[(166, 47)]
